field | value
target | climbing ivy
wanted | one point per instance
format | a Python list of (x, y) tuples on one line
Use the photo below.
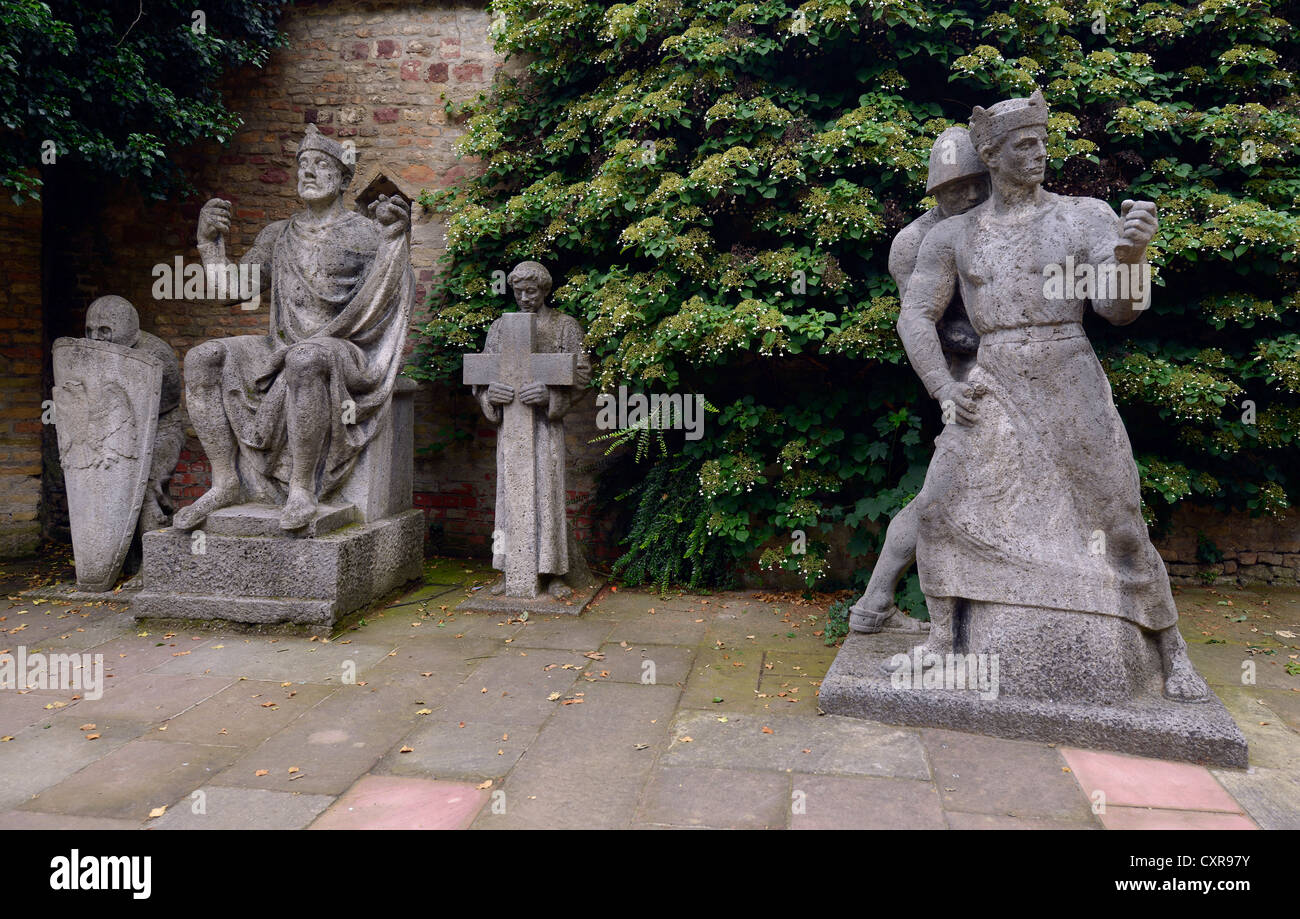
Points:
[(715, 185)]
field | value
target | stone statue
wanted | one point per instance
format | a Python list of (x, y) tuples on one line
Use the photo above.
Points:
[(115, 320), (532, 372), (1030, 518), (958, 179), (116, 398), (283, 416)]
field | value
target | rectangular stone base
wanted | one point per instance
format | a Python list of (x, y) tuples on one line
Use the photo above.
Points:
[(1148, 724), (483, 602), (266, 580)]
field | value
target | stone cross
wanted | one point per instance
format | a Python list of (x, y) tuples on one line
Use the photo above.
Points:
[(516, 366)]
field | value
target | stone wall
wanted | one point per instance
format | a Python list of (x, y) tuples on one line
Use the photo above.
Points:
[(1204, 546), (21, 358)]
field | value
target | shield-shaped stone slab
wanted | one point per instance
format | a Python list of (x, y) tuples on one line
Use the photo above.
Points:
[(106, 415)]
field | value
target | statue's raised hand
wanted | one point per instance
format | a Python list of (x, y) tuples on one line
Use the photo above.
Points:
[(214, 220), (393, 214), (1138, 229)]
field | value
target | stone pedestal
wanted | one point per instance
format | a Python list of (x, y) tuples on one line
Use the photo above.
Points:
[(242, 569), (1095, 684)]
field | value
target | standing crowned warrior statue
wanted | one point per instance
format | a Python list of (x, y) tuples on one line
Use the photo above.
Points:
[(283, 416), (1031, 508)]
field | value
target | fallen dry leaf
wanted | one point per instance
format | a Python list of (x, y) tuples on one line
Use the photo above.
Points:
[(767, 730), (484, 786), (86, 727), (261, 772), (407, 750), (158, 811), (92, 737)]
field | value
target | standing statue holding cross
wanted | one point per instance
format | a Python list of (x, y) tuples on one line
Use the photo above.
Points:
[(531, 373)]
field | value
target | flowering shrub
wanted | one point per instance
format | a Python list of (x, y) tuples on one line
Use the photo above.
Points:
[(715, 186)]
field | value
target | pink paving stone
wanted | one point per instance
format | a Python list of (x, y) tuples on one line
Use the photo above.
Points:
[(1135, 781), (1142, 818), (386, 802)]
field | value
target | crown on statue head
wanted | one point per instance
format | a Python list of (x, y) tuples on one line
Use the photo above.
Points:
[(315, 140), (989, 124)]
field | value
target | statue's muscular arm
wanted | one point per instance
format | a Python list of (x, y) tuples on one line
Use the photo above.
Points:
[(1121, 240), (929, 290)]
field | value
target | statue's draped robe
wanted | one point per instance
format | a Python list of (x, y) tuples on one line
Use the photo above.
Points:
[(346, 290), (1037, 504), (556, 333)]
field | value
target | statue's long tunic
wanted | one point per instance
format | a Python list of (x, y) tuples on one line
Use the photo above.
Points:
[(556, 333), (1037, 503), (346, 290)]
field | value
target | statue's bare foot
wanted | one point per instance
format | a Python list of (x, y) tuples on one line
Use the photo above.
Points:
[(499, 587), (298, 510), (214, 499), (1183, 683), (559, 590)]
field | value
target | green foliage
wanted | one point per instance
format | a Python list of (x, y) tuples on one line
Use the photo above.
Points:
[(715, 185), (668, 539), (110, 87), (837, 622)]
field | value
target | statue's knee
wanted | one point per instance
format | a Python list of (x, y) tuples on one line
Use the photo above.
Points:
[(304, 363), (203, 362)]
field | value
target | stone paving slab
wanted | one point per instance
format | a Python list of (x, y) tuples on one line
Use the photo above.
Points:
[(134, 779), (962, 821), (61, 749), (26, 820), (243, 714), (277, 659), (844, 746), (833, 802), (515, 688), (986, 775), (722, 798), (459, 750), (626, 663), (589, 763), (383, 802), (218, 807), (1141, 818), (1135, 781), (151, 697), (331, 746), (1270, 796)]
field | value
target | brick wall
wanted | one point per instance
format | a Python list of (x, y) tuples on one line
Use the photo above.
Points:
[(21, 353), (1253, 550)]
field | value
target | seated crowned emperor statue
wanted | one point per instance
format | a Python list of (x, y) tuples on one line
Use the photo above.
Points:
[(286, 417)]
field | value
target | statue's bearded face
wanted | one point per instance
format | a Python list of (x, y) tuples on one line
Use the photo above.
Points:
[(960, 196), (320, 176), (1019, 157), (529, 294)]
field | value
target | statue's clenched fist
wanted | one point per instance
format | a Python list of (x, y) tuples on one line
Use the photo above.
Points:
[(214, 220), (1138, 229)]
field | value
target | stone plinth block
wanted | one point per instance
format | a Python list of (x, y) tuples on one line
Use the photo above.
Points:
[(257, 579), (1144, 723), (482, 601)]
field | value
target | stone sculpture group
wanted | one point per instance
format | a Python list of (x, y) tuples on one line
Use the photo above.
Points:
[(1027, 534)]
